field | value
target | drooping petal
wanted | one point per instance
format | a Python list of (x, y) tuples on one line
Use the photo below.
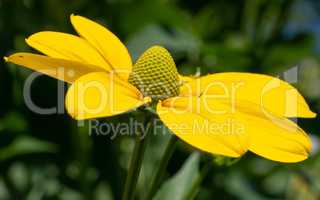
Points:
[(272, 137), (101, 94), (270, 93), (109, 45), (188, 119), (61, 69), (288, 146), (238, 125), (67, 46)]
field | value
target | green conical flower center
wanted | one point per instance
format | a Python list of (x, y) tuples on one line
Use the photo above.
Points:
[(155, 74)]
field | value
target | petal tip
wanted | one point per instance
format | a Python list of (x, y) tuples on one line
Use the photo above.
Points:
[(302, 158), (6, 59), (307, 114), (239, 152), (27, 40), (313, 114), (32, 38), (73, 16)]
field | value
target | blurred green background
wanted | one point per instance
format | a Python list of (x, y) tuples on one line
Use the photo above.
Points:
[(51, 157)]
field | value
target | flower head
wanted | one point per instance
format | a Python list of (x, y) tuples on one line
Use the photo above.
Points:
[(224, 113), (155, 74)]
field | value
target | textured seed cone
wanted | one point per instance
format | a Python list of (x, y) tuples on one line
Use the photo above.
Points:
[(155, 74)]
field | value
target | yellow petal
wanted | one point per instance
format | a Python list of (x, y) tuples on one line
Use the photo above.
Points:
[(61, 69), (269, 136), (272, 137), (67, 46), (188, 119), (282, 146), (271, 94), (101, 94), (109, 45)]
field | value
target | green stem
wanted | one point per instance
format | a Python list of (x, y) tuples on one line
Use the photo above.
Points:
[(196, 184), (135, 165), (162, 167)]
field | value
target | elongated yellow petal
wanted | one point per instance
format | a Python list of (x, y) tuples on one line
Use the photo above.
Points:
[(61, 69), (213, 133), (271, 94), (283, 146), (238, 125), (109, 45), (101, 94), (272, 137), (67, 46)]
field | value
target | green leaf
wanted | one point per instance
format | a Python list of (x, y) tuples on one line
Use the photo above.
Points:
[(153, 155), (179, 186), (103, 192), (26, 145), (13, 122), (238, 185)]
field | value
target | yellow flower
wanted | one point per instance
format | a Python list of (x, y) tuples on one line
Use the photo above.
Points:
[(223, 113)]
